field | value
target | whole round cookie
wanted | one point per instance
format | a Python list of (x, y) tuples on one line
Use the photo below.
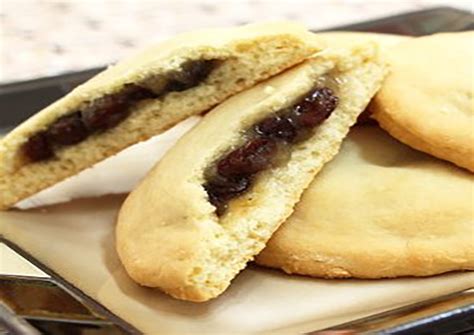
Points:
[(427, 100), (379, 209)]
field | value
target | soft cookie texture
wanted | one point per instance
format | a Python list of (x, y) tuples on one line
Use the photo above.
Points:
[(243, 56), (379, 209), (168, 234), (427, 100)]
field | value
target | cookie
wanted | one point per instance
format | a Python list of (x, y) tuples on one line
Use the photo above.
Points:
[(216, 197), (427, 100), (379, 209), (141, 97)]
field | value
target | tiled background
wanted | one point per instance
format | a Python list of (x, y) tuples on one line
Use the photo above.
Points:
[(44, 37)]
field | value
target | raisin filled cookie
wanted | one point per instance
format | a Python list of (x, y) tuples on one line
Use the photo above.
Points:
[(217, 196), (141, 97)]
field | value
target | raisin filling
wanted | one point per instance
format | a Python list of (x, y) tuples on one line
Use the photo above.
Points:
[(109, 110), (233, 174)]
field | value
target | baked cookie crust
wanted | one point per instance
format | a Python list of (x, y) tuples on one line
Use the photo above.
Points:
[(380, 209)]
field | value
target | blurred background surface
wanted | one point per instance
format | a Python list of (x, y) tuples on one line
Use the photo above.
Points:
[(45, 37)]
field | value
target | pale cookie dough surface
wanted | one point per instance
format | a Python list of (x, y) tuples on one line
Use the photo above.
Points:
[(427, 100), (379, 209)]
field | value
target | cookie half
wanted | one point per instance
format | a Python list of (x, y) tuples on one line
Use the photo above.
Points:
[(427, 100), (216, 197), (379, 209), (141, 97)]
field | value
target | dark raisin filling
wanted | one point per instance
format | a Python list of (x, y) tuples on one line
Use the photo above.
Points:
[(68, 130), (108, 111), (37, 148), (233, 174), (191, 74)]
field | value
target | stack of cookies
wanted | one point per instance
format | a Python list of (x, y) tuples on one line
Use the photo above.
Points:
[(273, 171)]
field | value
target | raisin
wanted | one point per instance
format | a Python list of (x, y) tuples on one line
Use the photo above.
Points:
[(221, 190), (225, 187), (315, 108), (325, 98), (190, 75), (37, 148), (253, 157), (132, 93), (108, 111), (68, 130), (176, 86), (105, 113), (310, 120), (276, 127)]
